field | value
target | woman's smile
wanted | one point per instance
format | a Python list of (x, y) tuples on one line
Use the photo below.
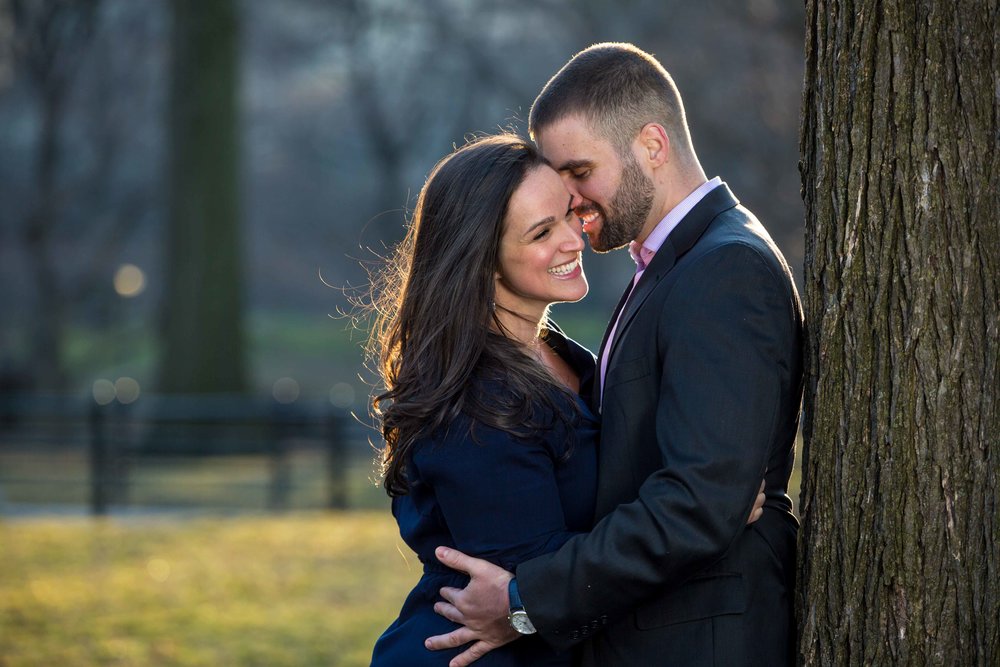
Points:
[(569, 269)]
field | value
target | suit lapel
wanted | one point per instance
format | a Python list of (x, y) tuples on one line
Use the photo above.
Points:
[(595, 393), (680, 240)]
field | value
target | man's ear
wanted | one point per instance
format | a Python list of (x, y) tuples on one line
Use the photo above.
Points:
[(654, 144)]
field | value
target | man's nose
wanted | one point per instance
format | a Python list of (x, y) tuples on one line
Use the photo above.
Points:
[(576, 199)]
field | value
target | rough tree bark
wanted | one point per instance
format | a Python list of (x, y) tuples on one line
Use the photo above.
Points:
[(900, 543), (203, 348)]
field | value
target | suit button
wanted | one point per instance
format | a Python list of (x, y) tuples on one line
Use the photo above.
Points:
[(574, 635), (604, 620)]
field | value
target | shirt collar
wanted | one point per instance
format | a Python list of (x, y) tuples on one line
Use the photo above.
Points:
[(643, 254)]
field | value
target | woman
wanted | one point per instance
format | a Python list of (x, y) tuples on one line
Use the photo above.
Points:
[(489, 447)]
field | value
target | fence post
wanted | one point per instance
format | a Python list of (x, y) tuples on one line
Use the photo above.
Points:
[(336, 462), (277, 497), (121, 450), (99, 462)]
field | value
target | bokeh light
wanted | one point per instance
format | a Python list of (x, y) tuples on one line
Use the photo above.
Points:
[(342, 395), (104, 391), (158, 569), (130, 280), (127, 390), (285, 390)]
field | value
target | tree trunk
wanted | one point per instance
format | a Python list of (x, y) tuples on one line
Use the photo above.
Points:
[(203, 347), (900, 542), (50, 40), (48, 334)]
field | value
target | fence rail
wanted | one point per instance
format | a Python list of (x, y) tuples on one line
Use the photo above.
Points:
[(120, 445)]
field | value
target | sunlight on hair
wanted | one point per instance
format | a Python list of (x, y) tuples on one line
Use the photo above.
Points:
[(130, 280), (285, 390), (342, 395), (127, 390), (104, 391)]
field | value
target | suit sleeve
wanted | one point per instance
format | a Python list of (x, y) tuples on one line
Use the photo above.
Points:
[(497, 494), (723, 337)]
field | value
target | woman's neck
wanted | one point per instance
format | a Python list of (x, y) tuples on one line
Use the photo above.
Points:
[(522, 328), (527, 331)]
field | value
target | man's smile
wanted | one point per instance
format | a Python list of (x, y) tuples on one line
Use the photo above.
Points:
[(589, 215)]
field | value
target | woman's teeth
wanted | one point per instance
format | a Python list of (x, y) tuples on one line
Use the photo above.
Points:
[(565, 269)]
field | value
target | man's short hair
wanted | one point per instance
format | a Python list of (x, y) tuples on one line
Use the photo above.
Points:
[(618, 88)]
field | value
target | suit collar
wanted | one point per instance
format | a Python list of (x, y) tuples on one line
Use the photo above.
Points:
[(680, 241), (694, 224)]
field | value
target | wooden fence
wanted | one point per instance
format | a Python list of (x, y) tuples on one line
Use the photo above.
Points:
[(122, 439)]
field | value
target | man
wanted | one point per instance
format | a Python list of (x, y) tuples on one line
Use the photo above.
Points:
[(700, 383)]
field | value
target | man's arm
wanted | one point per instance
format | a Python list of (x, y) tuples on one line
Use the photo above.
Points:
[(481, 607), (726, 336)]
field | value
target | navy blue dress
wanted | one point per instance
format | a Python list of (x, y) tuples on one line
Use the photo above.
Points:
[(499, 498)]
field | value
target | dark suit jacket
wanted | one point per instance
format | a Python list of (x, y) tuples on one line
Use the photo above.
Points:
[(701, 401)]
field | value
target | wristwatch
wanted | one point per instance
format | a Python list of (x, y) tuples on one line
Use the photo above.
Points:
[(517, 616)]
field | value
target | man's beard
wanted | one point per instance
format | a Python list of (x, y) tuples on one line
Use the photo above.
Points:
[(627, 212)]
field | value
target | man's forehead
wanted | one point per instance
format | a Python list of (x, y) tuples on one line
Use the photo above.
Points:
[(570, 138), (573, 125)]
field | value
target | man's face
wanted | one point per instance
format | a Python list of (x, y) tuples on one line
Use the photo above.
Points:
[(612, 195)]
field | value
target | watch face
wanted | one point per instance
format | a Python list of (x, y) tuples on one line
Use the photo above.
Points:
[(520, 621)]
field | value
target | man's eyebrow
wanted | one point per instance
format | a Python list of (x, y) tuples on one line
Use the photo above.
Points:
[(570, 165)]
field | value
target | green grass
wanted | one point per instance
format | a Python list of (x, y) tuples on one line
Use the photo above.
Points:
[(304, 589), (297, 589)]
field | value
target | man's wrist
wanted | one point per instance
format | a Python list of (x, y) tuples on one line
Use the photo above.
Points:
[(516, 614)]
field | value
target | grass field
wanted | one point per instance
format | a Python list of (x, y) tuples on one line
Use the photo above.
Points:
[(303, 589)]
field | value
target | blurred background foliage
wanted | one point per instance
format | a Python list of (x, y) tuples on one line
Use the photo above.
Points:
[(190, 191)]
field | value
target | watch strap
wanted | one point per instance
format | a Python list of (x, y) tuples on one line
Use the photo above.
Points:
[(514, 594)]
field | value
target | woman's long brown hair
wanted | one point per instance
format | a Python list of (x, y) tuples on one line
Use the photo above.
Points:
[(438, 345)]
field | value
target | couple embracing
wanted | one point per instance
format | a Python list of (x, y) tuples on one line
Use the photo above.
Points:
[(569, 510)]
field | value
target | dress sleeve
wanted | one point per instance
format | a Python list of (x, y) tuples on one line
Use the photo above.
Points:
[(497, 494)]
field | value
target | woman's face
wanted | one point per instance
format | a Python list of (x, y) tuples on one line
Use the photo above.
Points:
[(540, 251)]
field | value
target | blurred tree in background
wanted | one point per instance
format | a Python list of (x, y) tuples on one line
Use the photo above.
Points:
[(203, 333), (50, 37), (337, 112)]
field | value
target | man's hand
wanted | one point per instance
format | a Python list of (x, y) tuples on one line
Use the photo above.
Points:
[(481, 607), (757, 511)]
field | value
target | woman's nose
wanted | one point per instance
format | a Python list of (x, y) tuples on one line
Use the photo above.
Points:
[(573, 242)]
